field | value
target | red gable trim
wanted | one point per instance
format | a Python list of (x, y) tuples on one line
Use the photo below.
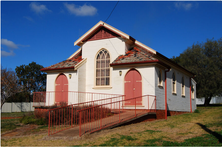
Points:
[(102, 33), (43, 69), (94, 31)]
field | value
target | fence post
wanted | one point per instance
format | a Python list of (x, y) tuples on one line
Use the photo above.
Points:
[(49, 125)]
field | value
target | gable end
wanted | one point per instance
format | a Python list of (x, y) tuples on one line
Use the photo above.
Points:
[(102, 33)]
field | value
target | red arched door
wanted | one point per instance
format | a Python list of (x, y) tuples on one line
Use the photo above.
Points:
[(133, 87), (61, 89)]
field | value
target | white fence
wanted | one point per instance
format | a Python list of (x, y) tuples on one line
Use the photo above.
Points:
[(214, 100), (17, 107)]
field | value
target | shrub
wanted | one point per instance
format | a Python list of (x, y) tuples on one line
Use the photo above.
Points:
[(196, 111)]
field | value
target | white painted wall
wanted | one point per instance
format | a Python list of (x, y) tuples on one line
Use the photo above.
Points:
[(50, 86), (115, 46)]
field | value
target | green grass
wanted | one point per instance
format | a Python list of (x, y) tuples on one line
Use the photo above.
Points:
[(118, 141), (191, 129), (15, 114), (204, 140), (9, 124), (26, 118)]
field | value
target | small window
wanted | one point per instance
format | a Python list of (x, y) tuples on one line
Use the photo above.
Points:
[(174, 83), (102, 68), (192, 91), (183, 87), (160, 80)]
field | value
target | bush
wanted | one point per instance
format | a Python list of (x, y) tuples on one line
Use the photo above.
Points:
[(196, 111), (32, 119)]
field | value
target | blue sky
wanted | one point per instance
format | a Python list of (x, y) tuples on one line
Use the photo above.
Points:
[(44, 32)]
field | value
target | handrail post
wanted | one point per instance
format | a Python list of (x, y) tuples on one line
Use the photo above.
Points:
[(72, 116), (155, 103), (135, 107), (148, 103), (49, 125), (101, 118), (119, 111), (80, 123), (93, 110)]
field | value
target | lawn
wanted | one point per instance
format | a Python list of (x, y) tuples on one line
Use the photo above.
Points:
[(202, 128)]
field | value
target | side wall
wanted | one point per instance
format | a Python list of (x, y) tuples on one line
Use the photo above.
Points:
[(175, 102)]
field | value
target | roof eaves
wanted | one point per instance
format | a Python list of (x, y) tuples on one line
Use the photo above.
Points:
[(141, 62), (48, 69), (173, 63)]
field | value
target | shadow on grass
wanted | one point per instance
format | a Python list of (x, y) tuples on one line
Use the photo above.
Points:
[(215, 134)]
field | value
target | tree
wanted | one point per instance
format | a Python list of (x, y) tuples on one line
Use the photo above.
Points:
[(9, 85), (31, 78), (205, 61)]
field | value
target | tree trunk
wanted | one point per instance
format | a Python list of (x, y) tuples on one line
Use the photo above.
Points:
[(207, 101)]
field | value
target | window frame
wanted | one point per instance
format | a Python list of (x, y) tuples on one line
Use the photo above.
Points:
[(182, 86), (160, 78), (192, 91), (99, 54), (174, 81)]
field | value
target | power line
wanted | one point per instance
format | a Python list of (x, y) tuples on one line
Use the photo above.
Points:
[(112, 11)]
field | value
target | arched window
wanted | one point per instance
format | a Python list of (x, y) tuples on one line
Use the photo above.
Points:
[(102, 68), (174, 83), (183, 87)]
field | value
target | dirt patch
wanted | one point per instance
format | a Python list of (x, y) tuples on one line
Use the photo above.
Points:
[(21, 131), (10, 117)]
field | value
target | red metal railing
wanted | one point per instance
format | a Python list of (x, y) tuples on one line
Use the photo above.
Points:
[(66, 117), (98, 117), (74, 97)]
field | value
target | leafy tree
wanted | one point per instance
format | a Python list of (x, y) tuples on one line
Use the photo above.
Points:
[(31, 78), (9, 85), (205, 60)]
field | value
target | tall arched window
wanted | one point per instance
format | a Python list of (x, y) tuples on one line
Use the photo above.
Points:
[(174, 83), (102, 68), (183, 87)]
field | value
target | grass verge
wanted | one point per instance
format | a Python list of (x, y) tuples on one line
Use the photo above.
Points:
[(202, 128)]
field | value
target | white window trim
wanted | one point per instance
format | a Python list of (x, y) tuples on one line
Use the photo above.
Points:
[(160, 83), (174, 86), (192, 91), (102, 86), (182, 87)]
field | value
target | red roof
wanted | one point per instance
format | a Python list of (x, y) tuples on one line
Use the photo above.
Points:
[(66, 64), (135, 55)]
